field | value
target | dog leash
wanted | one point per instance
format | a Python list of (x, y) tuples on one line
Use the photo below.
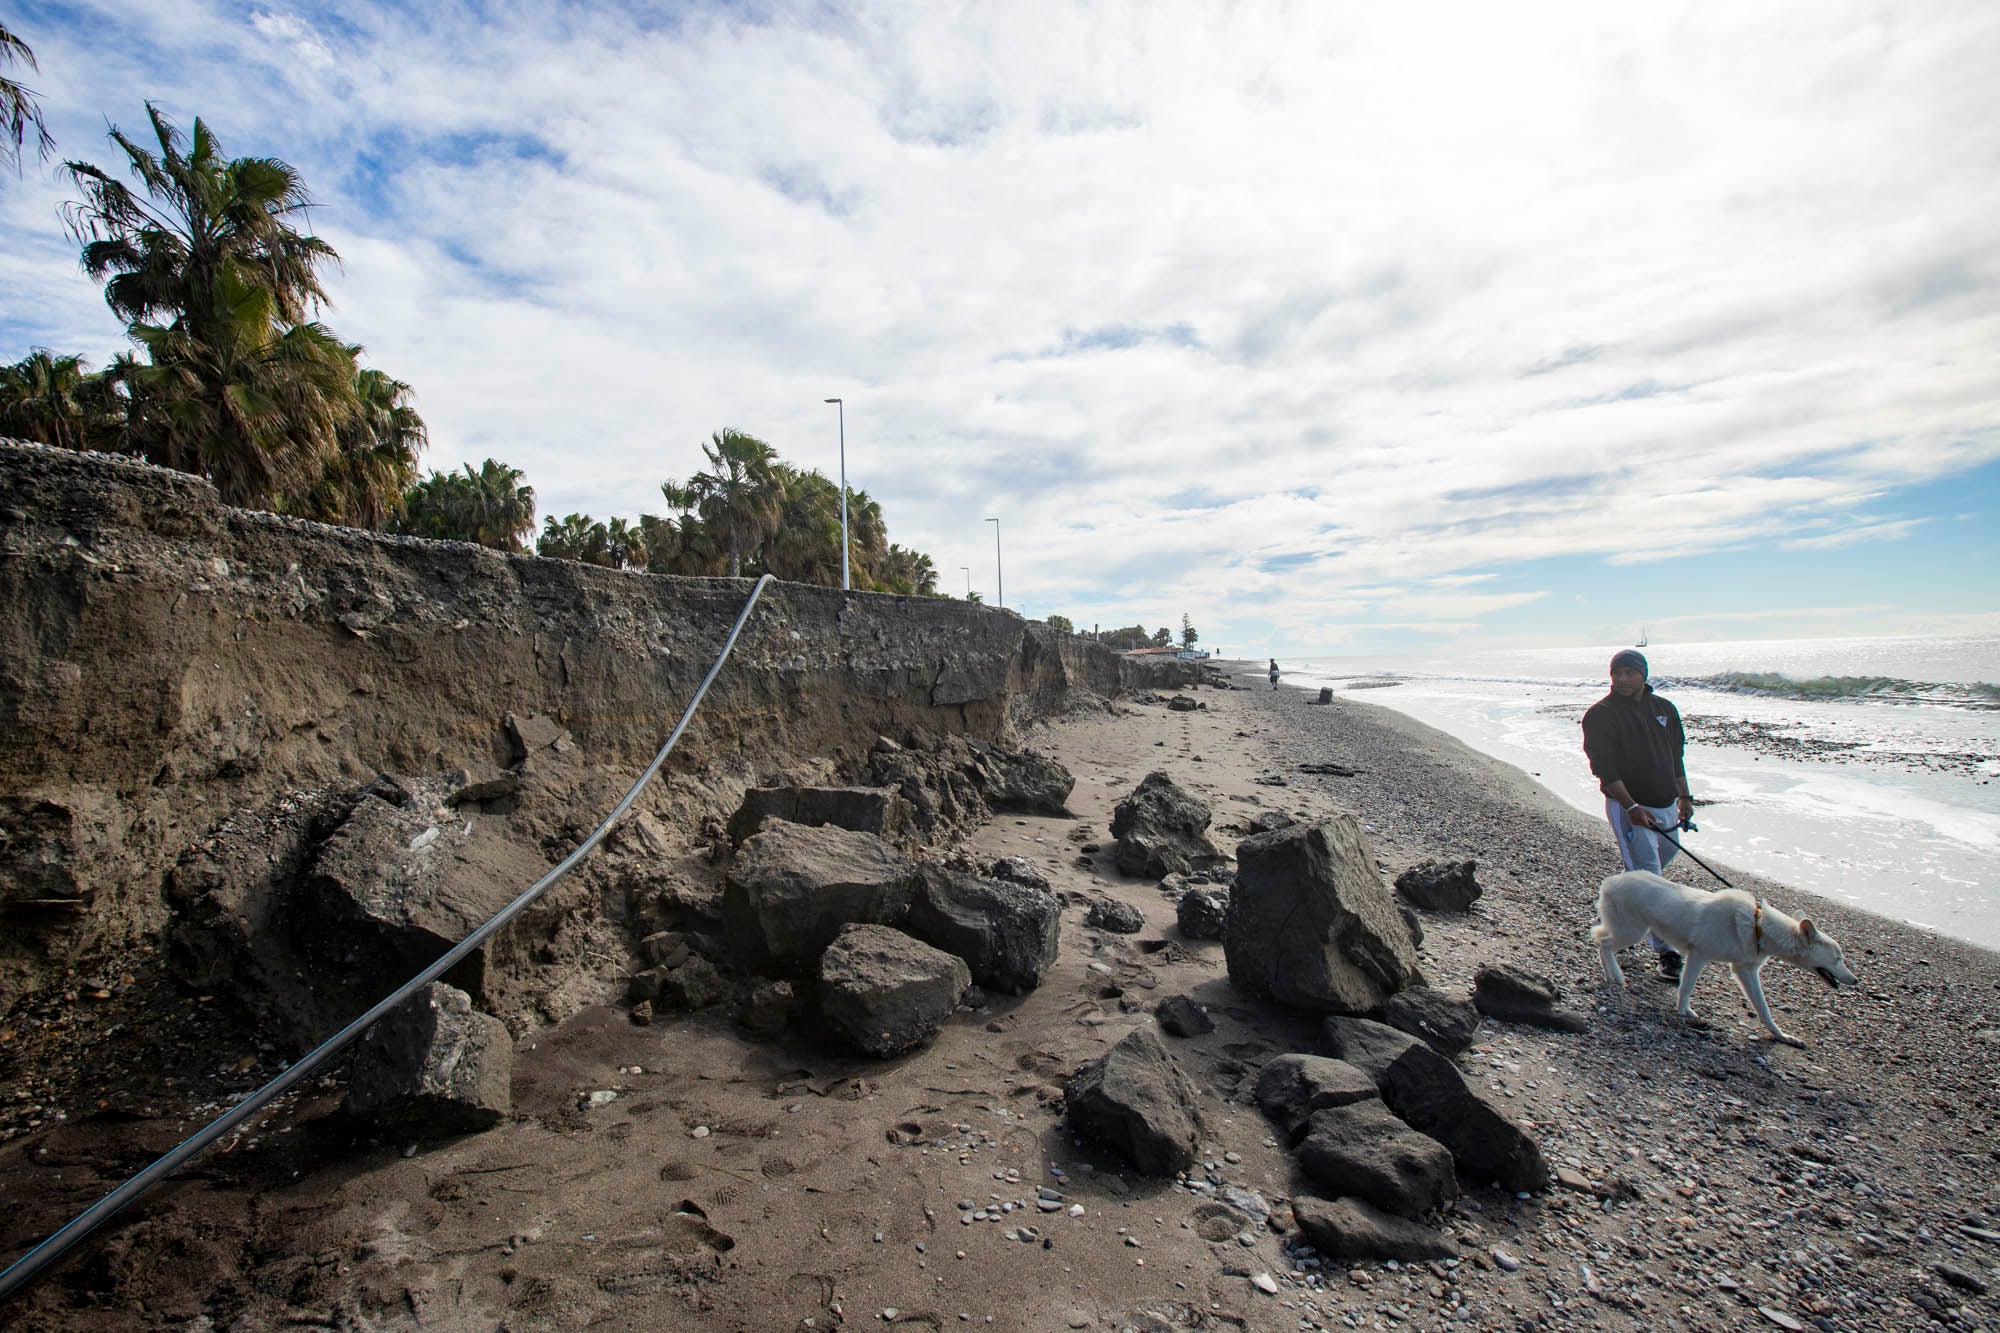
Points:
[(1689, 824)]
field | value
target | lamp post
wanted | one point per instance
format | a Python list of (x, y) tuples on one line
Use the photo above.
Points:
[(999, 577), (968, 581), (841, 407)]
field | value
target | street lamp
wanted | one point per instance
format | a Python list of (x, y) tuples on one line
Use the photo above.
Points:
[(968, 581), (842, 409), (999, 578)]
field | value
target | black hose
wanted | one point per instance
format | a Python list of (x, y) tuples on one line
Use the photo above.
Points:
[(24, 1269)]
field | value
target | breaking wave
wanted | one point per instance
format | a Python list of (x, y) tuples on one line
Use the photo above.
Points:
[(1867, 689)]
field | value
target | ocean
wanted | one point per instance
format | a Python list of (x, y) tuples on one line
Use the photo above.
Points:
[(1866, 770)]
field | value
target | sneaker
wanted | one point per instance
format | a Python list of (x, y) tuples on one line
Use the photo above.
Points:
[(1670, 965)]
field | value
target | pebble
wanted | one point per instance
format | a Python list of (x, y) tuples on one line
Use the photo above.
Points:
[(1781, 1319), (1265, 1283), (1076, 1210), (698, 1132), (1506, 1260)]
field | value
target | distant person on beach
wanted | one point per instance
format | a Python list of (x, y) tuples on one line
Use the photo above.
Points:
[(1274, 673), (1637, 750)]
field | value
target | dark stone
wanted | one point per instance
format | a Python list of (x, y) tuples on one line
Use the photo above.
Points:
[(1440, 886), (1360, 1150), (1412, 923), (1162, 830), (1007, 933), (1020, 870), (1293, 1088), (1514, 995), (1312, 925), (1349, 1230), (1133, 1099), (695, 984), (791, 889), (1445, 1023), (665, 948), (1202, 913), (876, 810), (530, 735), (1504, 981), (1427, 1091), (1021, 782), (886, 992), (767, 1010), (1116, 917), (1270, 822), (1180, 1016), (1180, 703), (433, 1066)]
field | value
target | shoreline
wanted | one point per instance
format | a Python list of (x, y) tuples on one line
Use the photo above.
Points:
[(1871, 894), (1825, 1184)]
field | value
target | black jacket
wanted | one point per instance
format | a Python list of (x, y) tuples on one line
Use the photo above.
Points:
[(1638, 742)]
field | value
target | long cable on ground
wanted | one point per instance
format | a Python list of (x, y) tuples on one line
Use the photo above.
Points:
[(24, 1269)]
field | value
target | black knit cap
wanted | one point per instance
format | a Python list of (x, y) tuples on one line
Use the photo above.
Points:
[(1630, 657)]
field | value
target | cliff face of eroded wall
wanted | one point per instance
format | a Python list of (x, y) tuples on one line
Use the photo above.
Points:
[(166, 660)]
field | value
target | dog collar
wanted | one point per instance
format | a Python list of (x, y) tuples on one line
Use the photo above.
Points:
[(1757, 929)]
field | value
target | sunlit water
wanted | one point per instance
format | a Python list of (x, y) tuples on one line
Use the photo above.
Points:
[(1865, 770)]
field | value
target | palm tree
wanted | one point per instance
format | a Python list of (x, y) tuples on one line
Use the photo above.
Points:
[(739, 497), (217, 284), (577, 537), (18, 107), (203, 218), (624, 544), (256, 407), (868, 538), (804, 547), (505, 509), (47, 398), (375, 457)]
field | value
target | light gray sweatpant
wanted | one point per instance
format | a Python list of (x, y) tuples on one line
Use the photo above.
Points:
[(1642, 848)]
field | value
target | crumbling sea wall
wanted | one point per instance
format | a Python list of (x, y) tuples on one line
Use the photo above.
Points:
[(166, 659)]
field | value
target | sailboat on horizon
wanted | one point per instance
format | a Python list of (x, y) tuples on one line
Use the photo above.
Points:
[(1642, 638)]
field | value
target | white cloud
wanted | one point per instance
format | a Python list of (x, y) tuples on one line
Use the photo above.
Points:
[(1636, 284)]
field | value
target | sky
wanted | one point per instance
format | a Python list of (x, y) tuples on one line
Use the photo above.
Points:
[(1335, 328)]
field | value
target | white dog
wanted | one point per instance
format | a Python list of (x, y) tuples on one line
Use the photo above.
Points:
[(1727, 927)]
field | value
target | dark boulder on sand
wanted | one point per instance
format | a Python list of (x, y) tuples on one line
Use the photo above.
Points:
[(1311, 923)]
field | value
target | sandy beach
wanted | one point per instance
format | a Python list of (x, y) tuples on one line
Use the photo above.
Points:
[(731, 1183)]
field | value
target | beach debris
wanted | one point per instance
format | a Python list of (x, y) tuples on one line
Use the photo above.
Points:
[(1347, 1230), (1515, 995), (1019, 782), (433, 1066), (1293, 1088), (1362, 1150), (885, 992), (1007, 932), (1440, 886), (1120, 918), (1162, 830), (1429, 1093), (1445, 1022), (1311, 923), (1134, 1099), (1180, 1016), (791, 889), (877, 810), (1202, 913), (1326, 770), (1325, 695)]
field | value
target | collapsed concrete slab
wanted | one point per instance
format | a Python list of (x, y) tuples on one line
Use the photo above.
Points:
[(791, 889), (1312, 925), (1007, 933), (885, 992), (1162, 829), (434, 1066)]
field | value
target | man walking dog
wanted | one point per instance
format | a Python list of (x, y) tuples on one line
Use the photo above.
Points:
[(1636, 748)]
